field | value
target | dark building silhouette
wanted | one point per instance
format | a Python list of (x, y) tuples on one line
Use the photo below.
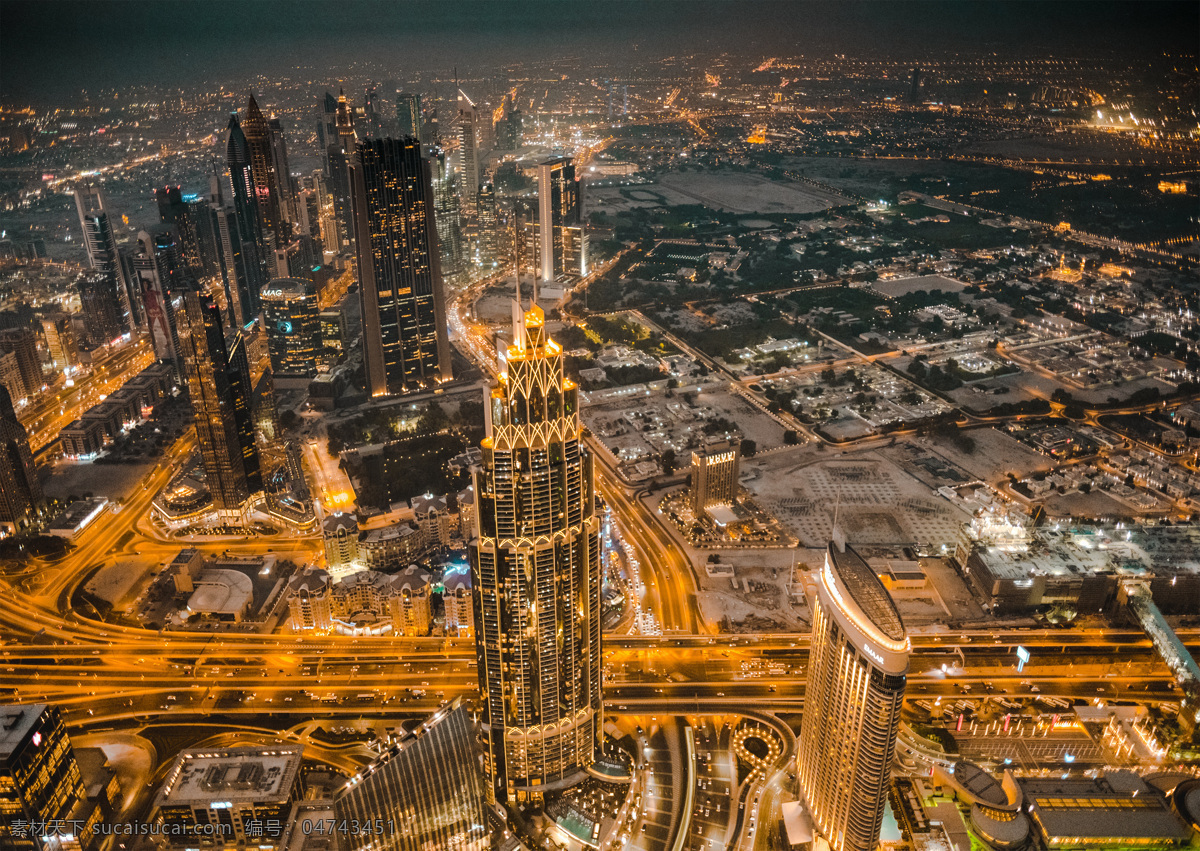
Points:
[(244, 246), (408, 115), (269, 168), (20, 491), (100, 306), (405, 339)]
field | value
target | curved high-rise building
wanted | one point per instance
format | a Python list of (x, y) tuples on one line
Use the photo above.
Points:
[(535, 565), (857, 668)]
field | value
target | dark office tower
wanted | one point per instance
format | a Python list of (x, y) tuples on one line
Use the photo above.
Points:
[(102, 253), (170, 202), (857, 668), (254, 250), (371, 105), (40, 782), (269, 169), (218, 381), (100, 307), (20, 490), (408, 115), (488, 254), (22, 343), (468, 154), (429, 782), (446, 214), (562, 245), (405, 338), (327, 127), (535, 568), (508, 131), (914, 89)]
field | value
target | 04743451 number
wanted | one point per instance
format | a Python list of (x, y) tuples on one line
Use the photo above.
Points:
[(352, 827)]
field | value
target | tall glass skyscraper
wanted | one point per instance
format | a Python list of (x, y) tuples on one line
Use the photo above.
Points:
[(406, 344), (101, 245), (535, 566), (218, 382), (272, 180), (246, 250), (857, 668), (425, 792)]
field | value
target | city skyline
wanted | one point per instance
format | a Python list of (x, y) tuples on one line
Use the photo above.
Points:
[(668, 426)]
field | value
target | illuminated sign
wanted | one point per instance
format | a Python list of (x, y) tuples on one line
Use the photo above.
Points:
[(873, 653), (37, 739)]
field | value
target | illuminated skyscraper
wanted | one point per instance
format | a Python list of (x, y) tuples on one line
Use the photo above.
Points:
[(292, 320), (535, 564), (408, 114), (715, 475), (562, 245), (269, 167), (446, 213), (405, 337), (468, 153), (20, 490), (426, 788), (40, 783), (218, 381), (857, 668), (103, 256)]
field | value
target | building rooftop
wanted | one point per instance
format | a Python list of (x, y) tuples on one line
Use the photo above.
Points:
[(1117, 807), (867, 591), (15, 724), (221, 592), (231, 774)]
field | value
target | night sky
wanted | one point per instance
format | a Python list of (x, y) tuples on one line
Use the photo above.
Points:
[(52, 50)]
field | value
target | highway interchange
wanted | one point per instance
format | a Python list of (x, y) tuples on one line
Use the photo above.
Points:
[(108, 676)]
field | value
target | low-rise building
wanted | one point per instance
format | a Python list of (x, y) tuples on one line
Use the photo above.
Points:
[(229, 797)]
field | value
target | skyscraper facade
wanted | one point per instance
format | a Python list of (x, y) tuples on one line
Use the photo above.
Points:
[(269, 167), (405, 337), (22, 343), (20, 490), (468, 153), (218, 380), (427, 789), (101, 245), (446, 213), (100, 306), (40, 783), (408, 114), (562, 247), (858, 665), (250, 262), (535, 565), (293, 324), (715, 470)]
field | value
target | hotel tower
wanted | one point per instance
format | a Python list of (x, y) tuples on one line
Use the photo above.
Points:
[(858, 663)]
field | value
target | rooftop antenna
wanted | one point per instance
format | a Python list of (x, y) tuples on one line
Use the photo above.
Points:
[(839, 537)]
